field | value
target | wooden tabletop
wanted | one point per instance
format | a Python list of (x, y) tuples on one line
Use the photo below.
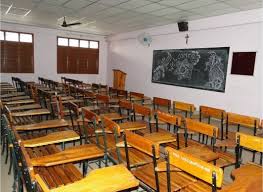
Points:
[(248, 177), (25, 101), (25, 107), (72, 154), (113, 116), (32, 112), (107, 179), (12, 94), (23, 97), (49, 124), (92, 108), (161, 137), (52, 138), (201, 152), (132, 126)]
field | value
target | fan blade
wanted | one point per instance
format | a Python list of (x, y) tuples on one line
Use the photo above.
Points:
[(71, 24)]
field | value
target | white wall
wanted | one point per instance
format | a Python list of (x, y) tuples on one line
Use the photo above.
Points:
[(45, 54), (240, 31)]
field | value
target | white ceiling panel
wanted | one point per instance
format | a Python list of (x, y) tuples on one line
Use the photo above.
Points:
[(165, 11), (195, 4), (150, 8), (112, 2), (173, 2), (77, 4), (132, 4)]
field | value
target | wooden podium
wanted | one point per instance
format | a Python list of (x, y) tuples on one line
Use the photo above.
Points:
[(119, 78)]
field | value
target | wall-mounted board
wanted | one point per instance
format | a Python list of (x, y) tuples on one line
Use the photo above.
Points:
[(243, 63), (201, 68)]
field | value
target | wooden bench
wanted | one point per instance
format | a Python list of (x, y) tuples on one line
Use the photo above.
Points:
[(186, 108), (161, 102), (210, 176), (215, 113), (151, 177), (248, 142)]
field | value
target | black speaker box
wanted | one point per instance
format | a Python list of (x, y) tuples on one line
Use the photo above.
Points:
[(183, 26)]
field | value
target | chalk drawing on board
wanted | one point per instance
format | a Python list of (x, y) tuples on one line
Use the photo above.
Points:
[(202, 68), (214, 66)]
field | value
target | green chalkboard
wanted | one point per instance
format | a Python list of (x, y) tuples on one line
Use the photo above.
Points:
[(201, 68)]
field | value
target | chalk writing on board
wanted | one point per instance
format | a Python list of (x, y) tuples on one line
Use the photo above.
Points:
[(203, 68)]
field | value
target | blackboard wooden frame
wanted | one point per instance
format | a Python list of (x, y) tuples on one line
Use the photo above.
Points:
[(199, 68)]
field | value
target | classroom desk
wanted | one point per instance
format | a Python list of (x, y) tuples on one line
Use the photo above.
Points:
[(12, 95), (248, 177), (161, 137), (32, 112), (25, 107), (132, 126), (26, 101), (201, 152)]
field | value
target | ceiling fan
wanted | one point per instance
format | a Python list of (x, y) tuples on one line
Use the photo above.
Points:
[(65, 24)]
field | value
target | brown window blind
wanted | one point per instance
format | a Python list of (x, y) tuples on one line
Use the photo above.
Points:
[(77, 60), (16, 56)]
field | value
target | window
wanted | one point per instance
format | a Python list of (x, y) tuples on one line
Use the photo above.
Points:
[(11, 36), (73, 42), (84, 44), (77, 56), (62, 41), (27, 38), (94, 44), (2, 36), (17, 52)]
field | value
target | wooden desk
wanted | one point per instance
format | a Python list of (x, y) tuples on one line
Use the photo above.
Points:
[(161, 137), (201, 152), (32, 112), (72, 154), (107, 179), (92, 108), (26, 101), (132, 126), (25, 107), (49, 124), (12, 95), (23, 97), (248, 177), (52, 138), (114, 116)]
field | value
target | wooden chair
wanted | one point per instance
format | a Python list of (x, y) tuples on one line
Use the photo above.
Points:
[(248, 142), (206, 132), (161, 102), (136, 97), (112, 130), (210, 112), (152, 175), (238, 120), (126, 107), (145, 113), (122, 94), (112, 92), (186, 108), (211, 177)]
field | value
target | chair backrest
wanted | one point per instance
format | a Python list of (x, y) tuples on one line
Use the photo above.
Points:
[(145, 111), (196, 167), (200, 127), (103, 98), (125, 105), (242, 120), (111, 126), (93, 117), (136, 95), (169, 118), (185, 107), (142, 144), (89, 129), (249, 142), (122, 93), (206, 111), (157, 102)]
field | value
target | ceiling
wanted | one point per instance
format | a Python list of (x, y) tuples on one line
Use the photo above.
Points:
[(107, 17)]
